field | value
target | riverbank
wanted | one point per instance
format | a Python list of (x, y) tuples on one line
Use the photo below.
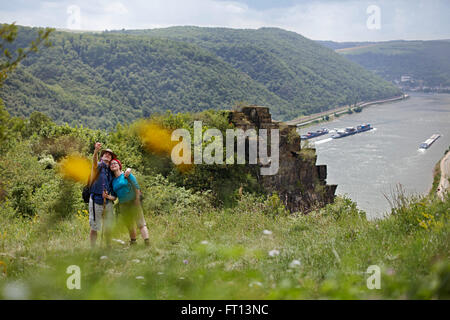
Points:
[(444, 183), (331, 114)]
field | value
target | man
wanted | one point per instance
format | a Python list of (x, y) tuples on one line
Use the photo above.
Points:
[(101, 209)]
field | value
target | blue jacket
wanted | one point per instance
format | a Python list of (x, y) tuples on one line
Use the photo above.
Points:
[(124, 189), (103, 182)]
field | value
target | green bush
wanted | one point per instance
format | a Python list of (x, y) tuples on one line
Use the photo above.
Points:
[(273, 206), (343, 207), (22, 175), (163, 197)]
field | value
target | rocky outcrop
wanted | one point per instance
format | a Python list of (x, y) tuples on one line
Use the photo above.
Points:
[(299, 183)]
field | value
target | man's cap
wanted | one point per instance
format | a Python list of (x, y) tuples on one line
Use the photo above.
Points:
[(113, 155)]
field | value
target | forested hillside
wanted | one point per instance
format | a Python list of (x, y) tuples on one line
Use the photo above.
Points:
[(307, 75), (426, 62), (101, 79)]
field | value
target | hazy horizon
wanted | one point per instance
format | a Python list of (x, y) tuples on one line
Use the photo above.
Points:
[(326, 20), (132, 29)]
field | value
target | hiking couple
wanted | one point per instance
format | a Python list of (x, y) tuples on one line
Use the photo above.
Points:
[(109, 183)]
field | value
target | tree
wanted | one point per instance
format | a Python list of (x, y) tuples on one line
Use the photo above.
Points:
[(8, 60), (4, 117)]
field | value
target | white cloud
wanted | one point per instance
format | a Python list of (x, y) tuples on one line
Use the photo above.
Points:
[(116, 8), (325, 20), (48, 5)]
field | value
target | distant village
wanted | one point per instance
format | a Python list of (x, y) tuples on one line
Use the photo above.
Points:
[(408, 83)]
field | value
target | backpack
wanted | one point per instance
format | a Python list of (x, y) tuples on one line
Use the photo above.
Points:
[(86, 193)]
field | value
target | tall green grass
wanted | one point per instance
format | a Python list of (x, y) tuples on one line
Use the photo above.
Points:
[(239, 253)]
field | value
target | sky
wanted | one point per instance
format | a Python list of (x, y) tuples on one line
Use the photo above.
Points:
[(336, 20)]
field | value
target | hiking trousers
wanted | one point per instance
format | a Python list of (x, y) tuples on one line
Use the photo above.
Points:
[(130, 214), (108, 218)]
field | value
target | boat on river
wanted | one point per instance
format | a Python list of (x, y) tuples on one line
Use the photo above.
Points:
[(314, 134), (426, 144), (364, 127), (340, 133)]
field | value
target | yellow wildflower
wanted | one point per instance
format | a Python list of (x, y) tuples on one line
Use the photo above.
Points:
[(75, 168)]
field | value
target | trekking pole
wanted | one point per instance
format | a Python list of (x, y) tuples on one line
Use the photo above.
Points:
[(103, 218)]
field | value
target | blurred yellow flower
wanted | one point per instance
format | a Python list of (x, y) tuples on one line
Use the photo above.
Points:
[(423, 224), (158, 140), (76, 168), (155, 138), (83, 216)]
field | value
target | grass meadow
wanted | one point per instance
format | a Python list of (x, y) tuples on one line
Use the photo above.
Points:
[(239, 253)]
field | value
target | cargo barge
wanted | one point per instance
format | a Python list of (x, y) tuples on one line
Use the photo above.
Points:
[(351, 130), (426, 144), (314, 134)]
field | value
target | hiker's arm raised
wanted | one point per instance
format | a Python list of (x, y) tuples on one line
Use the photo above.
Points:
[(97, 148)]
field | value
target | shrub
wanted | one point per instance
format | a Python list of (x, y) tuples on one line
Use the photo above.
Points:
[(58, 148), (250, 203), (47, 161), (413, 213), (161, 196), (308, 154), (22, 175), (341, 208), (273, 206), (292, 135)]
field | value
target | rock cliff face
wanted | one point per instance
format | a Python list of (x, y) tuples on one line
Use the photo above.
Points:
[(300, 184)]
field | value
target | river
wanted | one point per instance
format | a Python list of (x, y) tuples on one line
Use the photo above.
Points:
[(369, 166)]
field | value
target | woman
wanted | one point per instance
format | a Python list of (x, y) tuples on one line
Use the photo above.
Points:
[(128, 192)]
